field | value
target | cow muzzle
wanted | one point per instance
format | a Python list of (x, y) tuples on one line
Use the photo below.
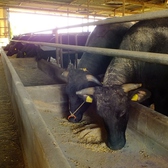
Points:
[(116, 145), (73, 117)]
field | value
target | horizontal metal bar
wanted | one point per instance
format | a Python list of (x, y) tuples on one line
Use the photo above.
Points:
[(135, 17), (137, 55)]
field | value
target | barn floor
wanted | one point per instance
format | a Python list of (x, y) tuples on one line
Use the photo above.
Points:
[(11, 155), (81, 144)]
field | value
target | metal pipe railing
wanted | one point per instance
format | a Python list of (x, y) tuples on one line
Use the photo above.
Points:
[(143, 56), (136, 17), (137, 55)]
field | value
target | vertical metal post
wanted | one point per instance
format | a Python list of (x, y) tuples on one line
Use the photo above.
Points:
[(68, 36), (9, 27), (61, 51), (76, 53), (57, 49), (143, 8), (87, 14), (123, 13)]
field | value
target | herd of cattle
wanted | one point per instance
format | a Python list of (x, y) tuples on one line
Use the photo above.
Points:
[(125, 80), (23, 50)]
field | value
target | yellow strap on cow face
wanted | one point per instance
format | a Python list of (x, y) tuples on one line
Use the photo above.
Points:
[(135, 97), (89, 99)]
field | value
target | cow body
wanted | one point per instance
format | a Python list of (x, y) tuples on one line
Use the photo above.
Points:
[(112, 101), (105, 36), (149, 36), (30, 50), (67, 56)]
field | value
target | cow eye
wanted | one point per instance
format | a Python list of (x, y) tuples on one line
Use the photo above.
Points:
[(119, 114), (122, 113)]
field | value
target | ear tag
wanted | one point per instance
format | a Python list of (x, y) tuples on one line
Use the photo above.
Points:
[(135, 97), (89, 99), (84, 69)]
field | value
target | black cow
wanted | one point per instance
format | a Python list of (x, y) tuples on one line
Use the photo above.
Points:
[(67, 56), (16, 46), (11, 43), (30, 50), (105, 36), (113, 98), (72, 39)]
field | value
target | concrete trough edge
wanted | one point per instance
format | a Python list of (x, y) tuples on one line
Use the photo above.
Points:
[(52, 70), (152, 126), (39, 146)]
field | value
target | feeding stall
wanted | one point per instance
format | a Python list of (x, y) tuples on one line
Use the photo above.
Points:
[(49, 140)]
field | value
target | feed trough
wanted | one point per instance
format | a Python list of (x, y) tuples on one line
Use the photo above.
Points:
[(49, 140)]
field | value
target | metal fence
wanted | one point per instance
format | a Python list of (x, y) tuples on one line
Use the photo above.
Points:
[(143, 56)]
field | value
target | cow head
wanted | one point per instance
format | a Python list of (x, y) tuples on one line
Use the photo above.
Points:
[(78, 79), (21, 54), (112, 103), (12, 50)]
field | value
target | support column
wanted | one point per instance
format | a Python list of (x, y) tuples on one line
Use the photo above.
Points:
[(4, 27)]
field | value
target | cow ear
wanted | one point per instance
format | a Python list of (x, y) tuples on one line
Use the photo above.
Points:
[(140, 95), (86, 94), (65, 74), (86, 91)]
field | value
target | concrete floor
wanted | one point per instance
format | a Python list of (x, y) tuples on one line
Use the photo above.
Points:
[(11, 155)]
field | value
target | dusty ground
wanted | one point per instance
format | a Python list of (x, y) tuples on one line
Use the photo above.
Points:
[(10, 151)]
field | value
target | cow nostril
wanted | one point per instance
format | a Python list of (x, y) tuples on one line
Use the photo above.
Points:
[(72, 116), (116, 146), (73, 119)]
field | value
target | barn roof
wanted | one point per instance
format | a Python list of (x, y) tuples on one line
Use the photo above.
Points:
[(102, 8)]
